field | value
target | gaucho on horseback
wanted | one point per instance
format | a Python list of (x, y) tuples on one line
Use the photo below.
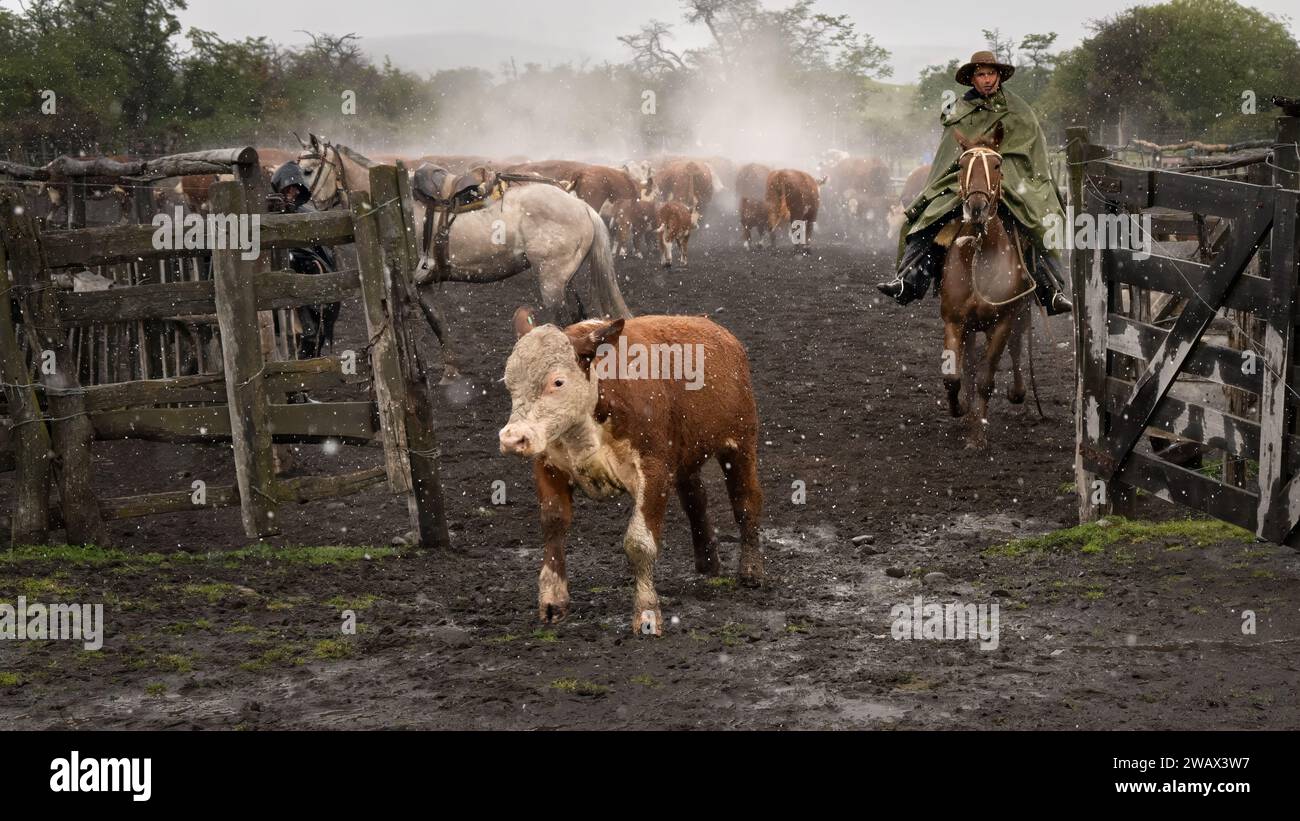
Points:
[(1028, 193), (317, 320)]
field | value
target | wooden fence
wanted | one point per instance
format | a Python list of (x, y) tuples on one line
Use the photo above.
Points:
[(1143, 365), (54, 418)]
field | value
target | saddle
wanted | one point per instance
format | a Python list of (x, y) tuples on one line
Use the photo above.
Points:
[(448, 196)]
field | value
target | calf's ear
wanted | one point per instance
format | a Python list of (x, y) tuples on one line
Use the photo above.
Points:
[(586, 345), (523, 321)]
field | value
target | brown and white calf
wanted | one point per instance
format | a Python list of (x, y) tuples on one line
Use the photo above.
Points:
[(675, 224), (634, 222), (588, 418)]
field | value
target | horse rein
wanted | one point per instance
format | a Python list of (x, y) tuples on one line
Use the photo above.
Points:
[(982, 153)]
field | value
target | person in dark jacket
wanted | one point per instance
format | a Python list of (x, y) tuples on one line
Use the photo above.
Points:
[(317, 320)]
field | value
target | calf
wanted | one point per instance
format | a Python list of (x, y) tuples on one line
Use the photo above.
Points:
[(589, 417), (793, 200), (755, 216), (634, 222), (676, 222)]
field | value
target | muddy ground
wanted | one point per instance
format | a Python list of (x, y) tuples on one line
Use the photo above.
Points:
[(1144, 634)]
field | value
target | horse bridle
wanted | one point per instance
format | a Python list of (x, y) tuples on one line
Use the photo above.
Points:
[(982, 153), (340, 184)]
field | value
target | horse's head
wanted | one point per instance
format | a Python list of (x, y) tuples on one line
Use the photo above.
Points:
[(979, 171), (322, 166)]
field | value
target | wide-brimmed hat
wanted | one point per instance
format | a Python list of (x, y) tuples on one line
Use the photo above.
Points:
[(983, 58)]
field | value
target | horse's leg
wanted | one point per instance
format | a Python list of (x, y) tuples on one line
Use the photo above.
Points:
[(1016, 394), (954, 360), (432, 314), (553, 276), (996, 340)]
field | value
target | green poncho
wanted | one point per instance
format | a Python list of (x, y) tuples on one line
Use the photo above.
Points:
[(1027, 187)]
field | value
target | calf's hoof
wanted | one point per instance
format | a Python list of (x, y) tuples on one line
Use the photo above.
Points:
[(751, 573), (648, 622), (551, 612), (668, 265), (1016, 397), (708, 563)]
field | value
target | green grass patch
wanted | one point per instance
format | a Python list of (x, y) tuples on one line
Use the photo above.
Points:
[(508, 637), (579, 687), (175, 663), (353, 602), (331, 649), (548, 636), (645, 680), (721, 582), (1097, 537), (276, 656), (156, 689), (241, 628), (10, 679), (796, 627), (734, 633)]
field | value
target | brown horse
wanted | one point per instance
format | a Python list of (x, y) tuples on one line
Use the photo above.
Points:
[(986, 289)]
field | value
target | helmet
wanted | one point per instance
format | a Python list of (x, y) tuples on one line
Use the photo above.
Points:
[(290, 174)]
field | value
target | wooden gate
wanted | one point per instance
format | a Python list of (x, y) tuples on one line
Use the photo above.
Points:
[(247, 400), (1140, 373)]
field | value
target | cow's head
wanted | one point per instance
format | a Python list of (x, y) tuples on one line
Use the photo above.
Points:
[(548, 374)]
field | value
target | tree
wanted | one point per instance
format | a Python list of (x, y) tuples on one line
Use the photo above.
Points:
[(1177, 70)]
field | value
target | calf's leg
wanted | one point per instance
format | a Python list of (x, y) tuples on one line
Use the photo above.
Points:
[(741, 469), (556, 498), (690, 489), (641, 543)]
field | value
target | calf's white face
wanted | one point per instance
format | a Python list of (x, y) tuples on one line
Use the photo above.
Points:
[(550, 393)]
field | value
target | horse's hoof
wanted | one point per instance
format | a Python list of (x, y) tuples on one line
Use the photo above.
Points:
[(668, 265)]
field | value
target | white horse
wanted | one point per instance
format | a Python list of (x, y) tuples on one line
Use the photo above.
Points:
[(533, 226)]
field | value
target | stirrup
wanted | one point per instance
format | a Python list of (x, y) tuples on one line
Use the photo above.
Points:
[(894, 288), (1058, 304)]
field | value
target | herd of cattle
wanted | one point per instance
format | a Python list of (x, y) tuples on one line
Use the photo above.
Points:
[(648, 205)]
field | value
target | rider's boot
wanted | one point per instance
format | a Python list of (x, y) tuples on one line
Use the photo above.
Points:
[(919, 264), (1049, 279)]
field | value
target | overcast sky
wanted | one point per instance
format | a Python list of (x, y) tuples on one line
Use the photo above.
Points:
[(424, 35)]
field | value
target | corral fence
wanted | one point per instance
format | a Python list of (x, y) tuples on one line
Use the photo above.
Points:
[(1186, 338), (245, 394)]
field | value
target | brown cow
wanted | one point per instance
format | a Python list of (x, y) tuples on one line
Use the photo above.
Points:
[(598, 185), (634, 406), (686, 181), (751, 191), (792, 200), (675, 223), (755, 216), (560, 170), (861, 189), (914, 185), (634, 223)]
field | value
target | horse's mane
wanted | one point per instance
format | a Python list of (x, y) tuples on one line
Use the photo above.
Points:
[(359, 159)]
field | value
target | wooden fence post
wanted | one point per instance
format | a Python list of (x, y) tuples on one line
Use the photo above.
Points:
[(29, 523), (391, 188), (1087, 412), (385, 367), (241, 352), (70, 430)]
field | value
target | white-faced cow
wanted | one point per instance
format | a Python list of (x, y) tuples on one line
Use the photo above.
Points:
[(634, 406)]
